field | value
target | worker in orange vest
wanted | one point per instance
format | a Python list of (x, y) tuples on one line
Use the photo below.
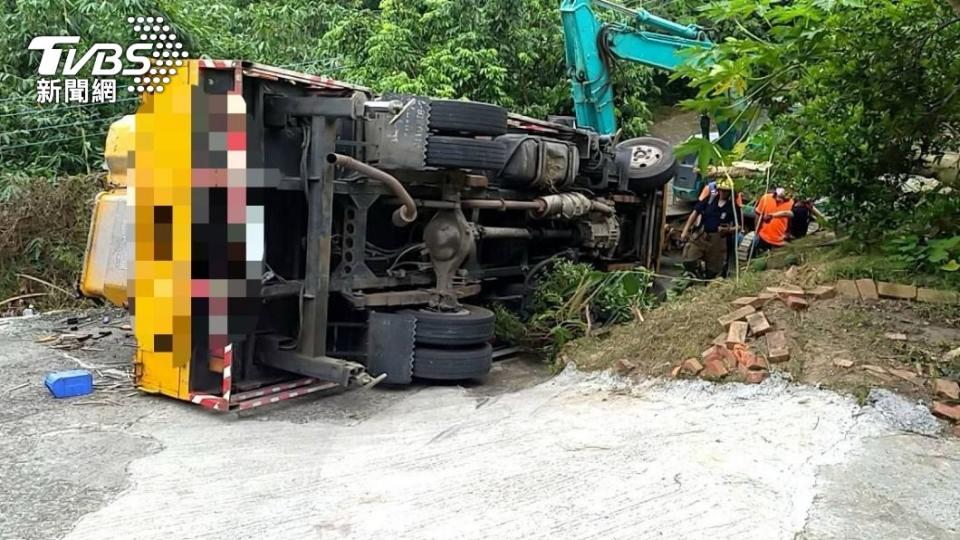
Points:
[(774, 211)]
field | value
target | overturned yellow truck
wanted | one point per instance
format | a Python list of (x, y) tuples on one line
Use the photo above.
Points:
[(275, 233)]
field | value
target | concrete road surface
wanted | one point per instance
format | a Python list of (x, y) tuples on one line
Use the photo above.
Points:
[(525, 456)]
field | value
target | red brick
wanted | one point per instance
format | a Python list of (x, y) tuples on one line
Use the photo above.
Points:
[(755, 376), (675, 372), (729, 358), (720, 340), (896, 290), (625, 366), (750, 361), (736, 315), (848, 289), (745, 301), (786, 290), (765, 297), (759, 325), (737, 333), (691, 366), (947, 410), (796, 303), (714, 370), (946, 388), (777, 348), (868, 289), (823, 292)]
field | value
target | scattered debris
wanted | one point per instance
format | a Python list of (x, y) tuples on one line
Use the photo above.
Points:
[(759, 325), (902, 413), (691, 367), (904, 374), (796, 303), (789, 290), (946, 388), (736, 315), (949, 411), (877, 370), (777, 349), (895, 336), (842, 363), (823, 292), (737, 333)]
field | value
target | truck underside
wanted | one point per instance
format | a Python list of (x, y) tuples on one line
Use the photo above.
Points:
[(276, 233)]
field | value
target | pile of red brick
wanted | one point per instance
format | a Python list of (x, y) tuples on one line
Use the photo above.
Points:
[(731, 353), (947, 406)]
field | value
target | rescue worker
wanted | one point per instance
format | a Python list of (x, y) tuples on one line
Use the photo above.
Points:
[(804, 212), (706, 243), (710, 190), (774, 211)]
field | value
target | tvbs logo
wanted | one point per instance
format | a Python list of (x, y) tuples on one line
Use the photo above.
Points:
[(152, 59), (108, 58)]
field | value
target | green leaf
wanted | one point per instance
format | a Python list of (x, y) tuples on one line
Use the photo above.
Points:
[(951, 266)]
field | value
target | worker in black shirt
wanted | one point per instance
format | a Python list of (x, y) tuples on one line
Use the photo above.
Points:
[(707, 241)]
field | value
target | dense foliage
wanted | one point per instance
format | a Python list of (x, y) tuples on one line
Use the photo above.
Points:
[(855, 93), (503, 51)]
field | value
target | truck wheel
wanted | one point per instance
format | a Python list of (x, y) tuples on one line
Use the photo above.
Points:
[(452, 364), (470, 326), (463, 153), (469, 117), (648, 162)]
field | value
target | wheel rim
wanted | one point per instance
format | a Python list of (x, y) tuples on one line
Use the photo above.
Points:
[(642, 156)]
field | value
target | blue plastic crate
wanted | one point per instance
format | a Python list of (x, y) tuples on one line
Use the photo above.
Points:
[(64, 384)]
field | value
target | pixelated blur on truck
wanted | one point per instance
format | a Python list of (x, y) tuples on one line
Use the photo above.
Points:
[(276, 234)]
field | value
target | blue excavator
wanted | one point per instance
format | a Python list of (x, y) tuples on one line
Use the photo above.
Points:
[(591, 47)]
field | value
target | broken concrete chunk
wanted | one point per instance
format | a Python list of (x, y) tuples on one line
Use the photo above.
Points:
[(737, 333), (896, 290), (868, 289), (759, 325), (796, 303), (946, 388), (777, 349), (691, 367), (823, 292), (934, 296), (950, 411), (735, 315), (848, 289), (714, 370)]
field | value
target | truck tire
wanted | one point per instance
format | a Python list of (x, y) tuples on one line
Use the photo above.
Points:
[(653, 168), (452, 364), (468, 117), (471, 326), (463, 153)]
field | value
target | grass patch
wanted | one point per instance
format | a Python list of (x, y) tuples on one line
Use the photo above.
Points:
[(43, 232)]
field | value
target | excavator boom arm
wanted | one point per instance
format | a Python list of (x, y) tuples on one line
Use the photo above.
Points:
[(590, 44)]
